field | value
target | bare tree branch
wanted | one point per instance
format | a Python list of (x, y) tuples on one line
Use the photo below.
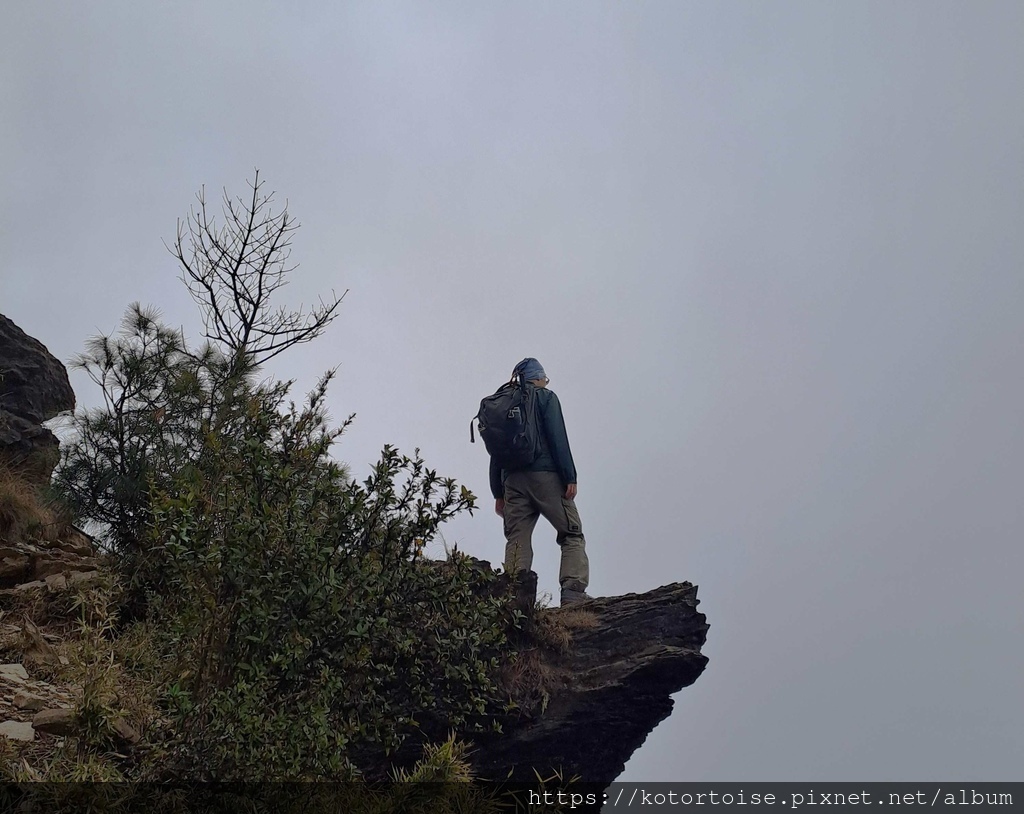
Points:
[(233, 271)]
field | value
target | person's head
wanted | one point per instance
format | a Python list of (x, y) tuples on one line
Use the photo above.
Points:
[(532, 371)]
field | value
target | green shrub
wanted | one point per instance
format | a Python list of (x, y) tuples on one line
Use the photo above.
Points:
[(313, 637)]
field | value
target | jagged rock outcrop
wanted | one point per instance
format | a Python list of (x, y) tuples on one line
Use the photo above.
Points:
[(36, 550), (610, 687), (34, 388)]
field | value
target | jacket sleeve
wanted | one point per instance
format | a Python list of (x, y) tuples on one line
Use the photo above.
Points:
[(497, 488), (558, 439)]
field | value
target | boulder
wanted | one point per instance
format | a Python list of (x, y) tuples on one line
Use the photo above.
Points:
[(17, 672), (56, 582), (34, 384), (34, 647), (55, 722), (125, 732), (34, 388), (27, 701), (17, 731)]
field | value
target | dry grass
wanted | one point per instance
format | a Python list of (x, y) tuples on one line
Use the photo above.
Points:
[(58, 611), (554, 627), (27, 514), (537, 673), (54, 761), (112, 676), (529, 681), (15, 606)]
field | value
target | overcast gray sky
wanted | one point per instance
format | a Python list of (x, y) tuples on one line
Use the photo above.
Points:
[(770, 255)]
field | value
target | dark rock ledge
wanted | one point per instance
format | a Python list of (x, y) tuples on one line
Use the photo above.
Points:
[(613, 687)]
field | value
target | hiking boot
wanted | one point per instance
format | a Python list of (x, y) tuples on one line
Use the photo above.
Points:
[(570, 596)]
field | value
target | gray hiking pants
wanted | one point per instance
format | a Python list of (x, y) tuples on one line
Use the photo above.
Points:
[(528, 495)]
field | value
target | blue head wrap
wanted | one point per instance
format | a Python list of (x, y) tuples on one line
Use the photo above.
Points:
[(530, 369)]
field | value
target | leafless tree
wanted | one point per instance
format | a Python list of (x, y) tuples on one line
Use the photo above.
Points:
[(232, 271)]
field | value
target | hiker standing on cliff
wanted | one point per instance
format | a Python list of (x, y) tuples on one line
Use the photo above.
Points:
[(545, 486)]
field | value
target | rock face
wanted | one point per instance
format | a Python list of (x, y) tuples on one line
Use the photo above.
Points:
[(35, 385), (614, 684), (34, 388)]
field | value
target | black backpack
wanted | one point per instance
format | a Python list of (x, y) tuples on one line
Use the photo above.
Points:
[(508, 424)]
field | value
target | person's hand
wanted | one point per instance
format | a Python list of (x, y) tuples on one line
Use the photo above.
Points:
[(499, 507), (570, 491)]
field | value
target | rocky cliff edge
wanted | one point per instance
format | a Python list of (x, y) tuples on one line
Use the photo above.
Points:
[(605, 688)]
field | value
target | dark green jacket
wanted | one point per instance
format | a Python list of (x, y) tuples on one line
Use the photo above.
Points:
[(554, 454)]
